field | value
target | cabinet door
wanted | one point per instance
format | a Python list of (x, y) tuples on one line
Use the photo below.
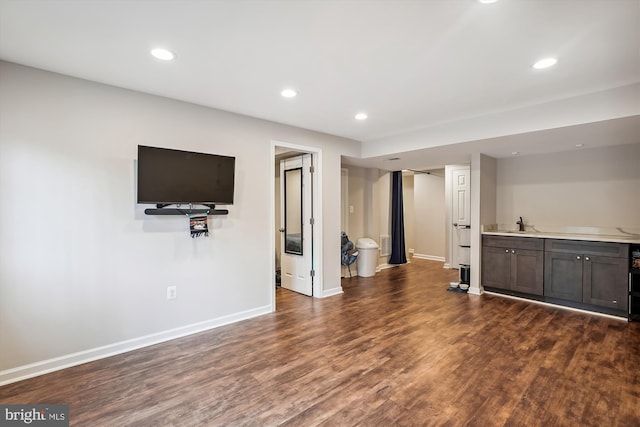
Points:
[(527, 271), (605, 282), (496, 267), (634, 297), (563, 276)]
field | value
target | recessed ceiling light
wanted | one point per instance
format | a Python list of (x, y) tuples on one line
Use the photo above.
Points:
[(579, 145), (289, 93), (163, 54), (545, 63), (515, 153), (361, 116), (487, 1)]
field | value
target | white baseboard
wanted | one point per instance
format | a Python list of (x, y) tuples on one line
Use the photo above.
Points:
[(57, 363), (385, 266), (446, 265), (429, 257), (562, 307), (332, 292), (476, 291)]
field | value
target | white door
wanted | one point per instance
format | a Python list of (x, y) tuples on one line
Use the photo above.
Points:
[(296, 222), (460, 209), (461, 197)]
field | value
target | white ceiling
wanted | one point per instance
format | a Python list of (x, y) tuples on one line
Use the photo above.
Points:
[(408, 64)]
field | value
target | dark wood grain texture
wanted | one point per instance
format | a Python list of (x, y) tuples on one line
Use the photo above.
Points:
[(396, 349)]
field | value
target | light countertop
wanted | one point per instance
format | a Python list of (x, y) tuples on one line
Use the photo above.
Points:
[(593, 234)]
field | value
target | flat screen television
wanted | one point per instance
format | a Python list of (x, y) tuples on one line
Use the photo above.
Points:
[(167, 176)]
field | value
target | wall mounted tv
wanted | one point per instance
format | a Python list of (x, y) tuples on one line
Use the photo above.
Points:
[(168, 176)]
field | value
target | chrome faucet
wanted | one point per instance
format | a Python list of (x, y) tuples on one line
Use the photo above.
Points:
[(520, 224)]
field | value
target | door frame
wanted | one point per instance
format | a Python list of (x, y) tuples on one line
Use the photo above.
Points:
[(344, 200), (450, 237), (316, 183)]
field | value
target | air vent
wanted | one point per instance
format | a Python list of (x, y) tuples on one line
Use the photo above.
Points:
[(385, 245)]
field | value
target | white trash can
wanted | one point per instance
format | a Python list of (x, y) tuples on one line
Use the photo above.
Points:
[(367, 257)]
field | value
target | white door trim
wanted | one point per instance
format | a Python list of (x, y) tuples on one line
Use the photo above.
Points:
[(451, 239), (316, 154), (344, 202), (295, 268)]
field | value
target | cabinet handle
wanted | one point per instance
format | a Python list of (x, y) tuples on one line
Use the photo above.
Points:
[(506, 250), (578, 257), (586, 258)]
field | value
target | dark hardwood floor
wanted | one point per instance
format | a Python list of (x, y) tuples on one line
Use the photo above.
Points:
[(393, 350)]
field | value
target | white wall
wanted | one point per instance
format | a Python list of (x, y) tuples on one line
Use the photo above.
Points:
[(430, 214), (359, 192), (408, 196), (595, 187), (81, 265), (370, 195), (381, 225)]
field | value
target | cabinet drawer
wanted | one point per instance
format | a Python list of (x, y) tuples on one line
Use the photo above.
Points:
[(530, 243), (615, 250)]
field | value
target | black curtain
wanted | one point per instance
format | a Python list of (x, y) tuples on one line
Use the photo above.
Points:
[(398, 254)]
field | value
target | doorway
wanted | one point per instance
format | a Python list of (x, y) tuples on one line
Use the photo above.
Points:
[(283, 150), (296, 224)]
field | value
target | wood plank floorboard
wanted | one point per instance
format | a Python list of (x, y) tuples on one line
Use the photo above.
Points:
[(396, 349)]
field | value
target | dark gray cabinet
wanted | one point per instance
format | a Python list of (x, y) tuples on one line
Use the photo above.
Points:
[(584, 274), (496, 267), (563, 276), (513, 263), (593, 273), (634, 284), (634, 295)]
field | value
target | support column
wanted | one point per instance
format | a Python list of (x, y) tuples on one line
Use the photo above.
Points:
[(483, 211)]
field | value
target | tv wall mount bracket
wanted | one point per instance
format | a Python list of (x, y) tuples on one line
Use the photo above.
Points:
[(161, 209)]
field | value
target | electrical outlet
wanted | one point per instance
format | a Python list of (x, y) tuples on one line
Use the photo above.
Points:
[(172, 292)]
